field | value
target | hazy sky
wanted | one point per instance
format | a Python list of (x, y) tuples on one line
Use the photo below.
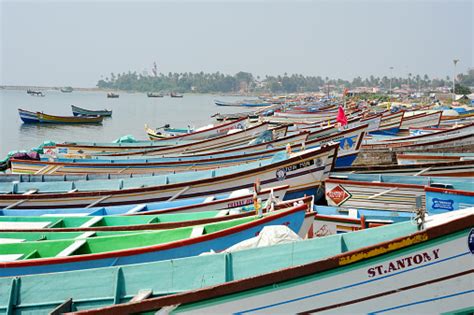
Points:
[(76, 42)]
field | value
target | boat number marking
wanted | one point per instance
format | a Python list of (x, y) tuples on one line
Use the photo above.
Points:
[(281, 173)]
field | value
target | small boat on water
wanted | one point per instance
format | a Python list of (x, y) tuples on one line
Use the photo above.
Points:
[(173, 94), (399, 268), (39, 117), (112, 95), (151, 94), (35, 93), (67, 89), (79, 111)]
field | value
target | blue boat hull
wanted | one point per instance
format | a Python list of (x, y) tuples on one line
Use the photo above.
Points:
[(386, 132), (439, 202)]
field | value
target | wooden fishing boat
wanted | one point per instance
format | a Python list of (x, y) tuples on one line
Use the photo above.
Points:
[(454, 169), (38, 117), (373, 123), (112, 95), (37, 93), (302, 171), (224, 103), (385, 192), (153, 165), (390, 123), (235, 199), (206, 132), (421, 120), (167, 220), (172, 94), (349, 144), (79, 111), (443, 139), (254, 114), (85, 253), (155, 148), (392, 269), (408, 158), (234, 151)]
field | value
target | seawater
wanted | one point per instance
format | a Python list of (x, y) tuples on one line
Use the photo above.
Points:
[(131, 111)]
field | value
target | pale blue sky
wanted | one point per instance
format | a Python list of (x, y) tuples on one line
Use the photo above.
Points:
[(75, 42)]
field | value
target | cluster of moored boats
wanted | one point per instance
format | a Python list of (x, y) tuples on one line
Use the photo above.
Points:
[(259, 213)]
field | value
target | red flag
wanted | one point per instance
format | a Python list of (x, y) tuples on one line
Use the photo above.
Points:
[(341, 116)]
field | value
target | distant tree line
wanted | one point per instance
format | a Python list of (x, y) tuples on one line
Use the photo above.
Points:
[(245, 82)]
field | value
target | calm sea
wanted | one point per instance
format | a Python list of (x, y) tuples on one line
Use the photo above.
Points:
[(131, 111)]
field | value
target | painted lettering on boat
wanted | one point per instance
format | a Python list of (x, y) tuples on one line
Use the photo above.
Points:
[(400, 264), (411, 240), (239, 203), (231, 127), (281, 173), (443, 204), (338, 195)]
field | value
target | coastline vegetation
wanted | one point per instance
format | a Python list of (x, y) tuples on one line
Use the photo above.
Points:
[(244, 81)]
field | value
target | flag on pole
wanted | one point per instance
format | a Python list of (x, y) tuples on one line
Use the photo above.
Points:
[(341, 116)]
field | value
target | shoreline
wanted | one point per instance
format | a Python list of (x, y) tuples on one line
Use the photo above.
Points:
[(96, 89)]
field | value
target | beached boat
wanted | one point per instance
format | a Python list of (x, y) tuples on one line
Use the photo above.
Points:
[(235, 199), (85, 253), (302, 171), (112, 95), (421, 120), (349, 144), (79, 111), (453, 169), (408, 158), (180, 146), (385, 192), (390, 269), (390, 123), (202, 133), (166, 220), (457, 136), (38, 117), (224, 103)]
